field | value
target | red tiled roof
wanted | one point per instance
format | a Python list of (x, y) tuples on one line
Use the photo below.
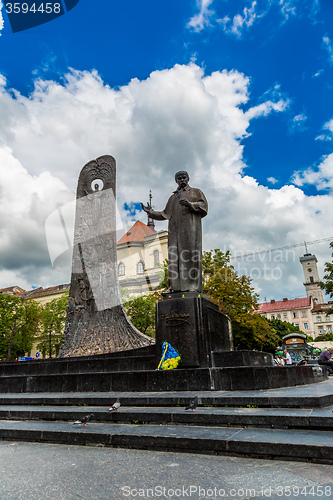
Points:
[(45, 291), (13, 290), (137, 233), (281, 305), (321, 307)]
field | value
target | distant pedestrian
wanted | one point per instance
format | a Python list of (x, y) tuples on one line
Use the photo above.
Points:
[(280, 361), (287, 358), (325, 358)]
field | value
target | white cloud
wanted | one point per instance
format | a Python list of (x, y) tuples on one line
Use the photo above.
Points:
[(298, 123), (178, 118), (272, 180), (252, 12), (327, 136), (300, 118), (25, 202), (327, 43), (1, 17), (241, 21), (288, 8), (318, 73), (203, 18), (320, 176), (265, 108), (329, 126)]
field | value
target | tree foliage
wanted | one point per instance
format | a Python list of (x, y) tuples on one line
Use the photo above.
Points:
[(236, 297), (327, 283), (163, 273), (19, 324), (233, 293), (252, 331), (141, 311), (53, 322), (283, 328), (324, 337)]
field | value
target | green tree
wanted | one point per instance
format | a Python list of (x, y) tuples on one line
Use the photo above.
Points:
[(283, 328), (163, 273), (324, 338), (233, 293), (252, 331), (19, 324), (53, 322), (327, 283), (236, 297), (141, 311)]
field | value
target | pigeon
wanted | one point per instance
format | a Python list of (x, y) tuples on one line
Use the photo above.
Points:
[(192, 404), (114, 407), (84, 420)]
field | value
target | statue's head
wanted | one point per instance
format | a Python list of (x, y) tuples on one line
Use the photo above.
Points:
[(182, 178)]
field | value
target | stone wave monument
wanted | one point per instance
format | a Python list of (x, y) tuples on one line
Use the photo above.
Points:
[(96, 322)]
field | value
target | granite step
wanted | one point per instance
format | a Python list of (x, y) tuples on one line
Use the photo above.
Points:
[(301, 445), (271, 418), (307, 396)]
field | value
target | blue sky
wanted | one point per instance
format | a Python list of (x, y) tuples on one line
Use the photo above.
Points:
[(262, 152)]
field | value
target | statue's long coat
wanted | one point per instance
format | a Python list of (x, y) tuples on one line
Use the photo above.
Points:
[(185, 238)]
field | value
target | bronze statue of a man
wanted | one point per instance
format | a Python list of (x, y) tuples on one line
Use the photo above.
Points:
[(184, 211)]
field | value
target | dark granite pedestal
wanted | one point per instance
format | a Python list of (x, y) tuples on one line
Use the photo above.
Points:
[(135, 371), (194, 326)]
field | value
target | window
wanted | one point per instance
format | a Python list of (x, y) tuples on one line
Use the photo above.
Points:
[(295, 315), (319, 319), (285, 315), (321, 330), (303, 314), (278, 316), (305, 326), (272, 316), (311, 279), (121, 269), (140, 267), (296, 324), (329, 328), (327, 318), (156, 255)]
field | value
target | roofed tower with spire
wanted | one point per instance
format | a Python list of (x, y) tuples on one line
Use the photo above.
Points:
[(311, 278)]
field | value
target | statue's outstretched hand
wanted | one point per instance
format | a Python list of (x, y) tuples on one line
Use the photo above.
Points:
[(147, 209)]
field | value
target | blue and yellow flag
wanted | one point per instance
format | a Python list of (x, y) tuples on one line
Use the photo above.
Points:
[(170, 358)]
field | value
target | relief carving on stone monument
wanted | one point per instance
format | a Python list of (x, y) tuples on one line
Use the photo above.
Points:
[(96, 321)]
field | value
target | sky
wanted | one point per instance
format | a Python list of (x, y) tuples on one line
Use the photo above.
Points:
[(236, 92)]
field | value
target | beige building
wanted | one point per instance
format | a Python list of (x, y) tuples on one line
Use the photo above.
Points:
[(44, 295), (295, 311), (312, 314), (323, 318), (140, 254), (12, 290)]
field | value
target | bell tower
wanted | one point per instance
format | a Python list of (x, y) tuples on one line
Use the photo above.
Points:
[(311, 278)]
